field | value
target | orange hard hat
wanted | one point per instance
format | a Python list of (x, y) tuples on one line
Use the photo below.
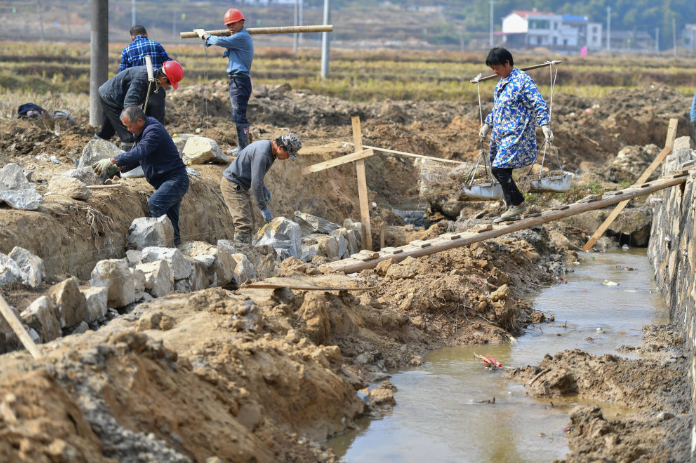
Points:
[(233, 15), (174, 72)]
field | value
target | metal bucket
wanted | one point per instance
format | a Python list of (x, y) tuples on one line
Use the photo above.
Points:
[(555, 184), (483, 192)]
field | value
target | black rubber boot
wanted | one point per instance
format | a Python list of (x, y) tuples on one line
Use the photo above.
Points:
[(242, 136)]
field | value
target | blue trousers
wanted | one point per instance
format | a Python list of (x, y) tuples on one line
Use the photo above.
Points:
[(240, 91), (167, 200)]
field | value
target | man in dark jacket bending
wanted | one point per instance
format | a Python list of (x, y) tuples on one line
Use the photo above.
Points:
[(156, 153)]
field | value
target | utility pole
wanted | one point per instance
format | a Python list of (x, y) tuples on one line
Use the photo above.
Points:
[(608, 28), (40, 7), (99, 57), (133, 13), (325, 43), (67, 18), (301, 18), (674, 32), (295, 19), (490, 31), (657, 39)]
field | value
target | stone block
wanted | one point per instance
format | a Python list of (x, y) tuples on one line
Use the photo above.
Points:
[(342, 243), (12, 178), (85, 174), (69, 303), (31, 266), (25, 200), (310, 224), (199, 150), (179, 266), (158, 278), (10, 272), (97, 149), (138, 283), (69, 188), (115, 275), (197, 280), (309, 252), (134, 257), (150, 232), (218, 262), (97, 303), (283, 235), (244, 271), (41, 317)]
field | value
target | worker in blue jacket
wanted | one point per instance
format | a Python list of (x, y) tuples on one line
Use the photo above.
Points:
[(239, 50), (693, 118), (156, 153)]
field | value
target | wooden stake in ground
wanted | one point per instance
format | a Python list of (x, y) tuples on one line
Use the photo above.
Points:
[(18, 328), (669, 144), (362, 186)]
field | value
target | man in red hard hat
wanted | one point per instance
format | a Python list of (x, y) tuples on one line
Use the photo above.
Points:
[(130, 88), (239, 50)]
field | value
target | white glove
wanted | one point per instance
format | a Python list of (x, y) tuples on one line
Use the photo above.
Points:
[(547, 133), (200, 32), (484, 131)]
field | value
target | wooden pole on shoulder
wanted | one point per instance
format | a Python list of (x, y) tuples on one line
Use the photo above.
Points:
[(669, 144)]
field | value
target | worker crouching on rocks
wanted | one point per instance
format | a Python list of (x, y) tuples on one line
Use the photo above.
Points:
[(518, 108), (246, 174), (130, 88), (239, 50), (156, 152)]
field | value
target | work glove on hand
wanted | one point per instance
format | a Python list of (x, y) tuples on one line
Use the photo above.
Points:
[(200, 32), (266, 212), (484, 131), (266, 195), (110, 172), (547, 133), (101, 166)]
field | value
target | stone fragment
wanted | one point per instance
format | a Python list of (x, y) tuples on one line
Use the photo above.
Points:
[(244, 271), (353, 240), (12, 178), (115, 275), (138, 283), (96, 298), (41, 316), (309, 252), (32, 266), (342, 243), (219, 263), (85, 174), (149, 321), (197, 280), (68, 187), (315, 317), (95, 150), (228, 245), (134, 256), (180, 141), (179, 266), (25, 200), (283, 235), (69, 303), (158, 278), (501, 294), (150, 232), (10, 272), (310, 224), (199, 150)]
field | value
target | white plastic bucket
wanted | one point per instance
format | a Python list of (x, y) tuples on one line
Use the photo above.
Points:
[(483, 192), (556, 184)]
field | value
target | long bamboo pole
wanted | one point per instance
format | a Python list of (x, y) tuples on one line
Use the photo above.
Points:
[(476, 80), (264, 30), (403, 153), (466, 238)]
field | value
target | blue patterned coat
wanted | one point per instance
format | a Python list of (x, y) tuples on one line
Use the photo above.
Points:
[(513, 137)]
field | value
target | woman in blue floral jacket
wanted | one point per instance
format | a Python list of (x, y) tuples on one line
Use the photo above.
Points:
[(518, 108)]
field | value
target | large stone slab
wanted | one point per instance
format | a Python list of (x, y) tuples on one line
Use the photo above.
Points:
[(199, 150), (310, 224), (12, 178), (97, 149), (69, 303), (25, 200), (197, 280), (158, 278), (179, 266), (69, 188), (85, 174), (115, 275), (32, 266), (10, 272), (97, 298), (219, 263), (283, 235), (150, 231), (41, 317)]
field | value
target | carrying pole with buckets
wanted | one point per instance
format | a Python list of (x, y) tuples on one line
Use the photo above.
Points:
[(264, 31)]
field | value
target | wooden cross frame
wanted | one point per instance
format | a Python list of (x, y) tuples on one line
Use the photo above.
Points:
[(359, 159)]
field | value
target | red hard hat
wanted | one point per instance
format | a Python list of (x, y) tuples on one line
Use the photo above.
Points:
[(233, 15), (174, 72)]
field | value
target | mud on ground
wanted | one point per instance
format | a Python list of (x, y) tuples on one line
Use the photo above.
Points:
[(263, 376)]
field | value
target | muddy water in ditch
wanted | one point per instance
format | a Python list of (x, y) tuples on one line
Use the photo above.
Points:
[(443, 412)]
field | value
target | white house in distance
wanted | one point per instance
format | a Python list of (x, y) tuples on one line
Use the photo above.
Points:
[(523, 29)]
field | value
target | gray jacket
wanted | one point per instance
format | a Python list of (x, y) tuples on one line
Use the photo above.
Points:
[(127, 88), (250, 167)]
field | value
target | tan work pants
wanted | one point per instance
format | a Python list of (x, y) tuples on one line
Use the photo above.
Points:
[(238, 202)]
